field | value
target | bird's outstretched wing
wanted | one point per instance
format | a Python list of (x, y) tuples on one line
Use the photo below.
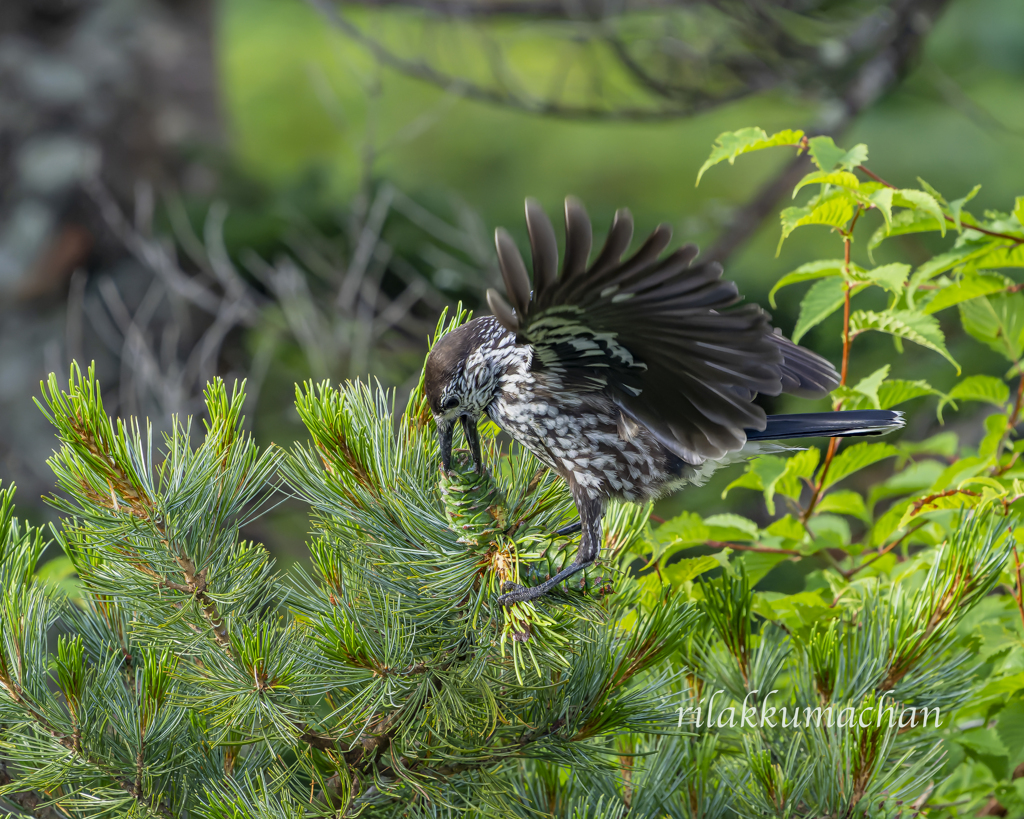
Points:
[(656, 333)]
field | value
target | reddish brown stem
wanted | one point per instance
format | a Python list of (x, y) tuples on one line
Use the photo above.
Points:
[(1016, 239), (881, 552), (922, 502), (769, 550), (846, 331), (1017, 595), (833, 444)]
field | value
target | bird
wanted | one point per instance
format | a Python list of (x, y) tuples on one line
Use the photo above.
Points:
[(628, 377)]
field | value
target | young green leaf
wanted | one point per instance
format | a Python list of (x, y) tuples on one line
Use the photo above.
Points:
[(968, 287), (730, 526), (882, 199), (966, 255), (855, 458), (956, 207), (996, 321), (892, 277), (903, 222), (827, 155), (762, 474), (731, 144), (689, 568), (799, 468), (982, 388), (897, 391), (834, 210), (820, 302), (1002, 255), (917, 327), (844, 502), (868, 386), (910, 198), (842, 179), (820, 269)]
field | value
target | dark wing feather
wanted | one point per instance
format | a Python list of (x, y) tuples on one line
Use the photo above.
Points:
[(545, 249), (665, 339), (578, 238), (513, 271)]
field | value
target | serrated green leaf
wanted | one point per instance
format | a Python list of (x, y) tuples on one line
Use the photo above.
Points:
[(928, 188), (820, 302), (956, 207), (882, 199), (857, 155), (835, 210), (995, 432), (964, 255), (762, 473), (1010, 727), (897, 391), (788, 528), (730, 526), (799, 467), (855, 458), (758, 564), (731, 144), (908, 324), (687, 528), (996, 321), (922, 201), (969, 287), (830, 531), (1018, 210), (889, 522), (892, 277), (1004, 255), (844, 502), (944, 444), (903, 222), (681, 532), (821, 269), (868, 386), (982, 388), (824, 152), (795, 611), (843, 179), (689, 568), (827, 155)]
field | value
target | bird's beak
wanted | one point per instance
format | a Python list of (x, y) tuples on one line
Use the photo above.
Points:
[(444, 443), (473, 440)]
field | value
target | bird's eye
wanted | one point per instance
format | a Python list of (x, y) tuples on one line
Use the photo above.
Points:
[(451, 403)]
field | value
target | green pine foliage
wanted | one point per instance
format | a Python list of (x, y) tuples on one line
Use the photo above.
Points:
[(163, 667)]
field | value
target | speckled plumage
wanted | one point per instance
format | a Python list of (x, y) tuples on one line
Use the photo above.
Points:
[(629, 378)]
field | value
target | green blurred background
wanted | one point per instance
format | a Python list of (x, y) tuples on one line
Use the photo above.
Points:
[(250, 140)]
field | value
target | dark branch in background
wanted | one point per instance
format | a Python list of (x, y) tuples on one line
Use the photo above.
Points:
[(528, 9), (672, 78), (913, 20)]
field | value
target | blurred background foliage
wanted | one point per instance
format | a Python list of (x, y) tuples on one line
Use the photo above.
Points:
[(279, 189)]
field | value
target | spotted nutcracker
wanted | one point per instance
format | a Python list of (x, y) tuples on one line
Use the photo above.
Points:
[(629, 378)]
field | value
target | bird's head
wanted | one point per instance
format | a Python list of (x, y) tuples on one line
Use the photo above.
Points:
[(460, 381)]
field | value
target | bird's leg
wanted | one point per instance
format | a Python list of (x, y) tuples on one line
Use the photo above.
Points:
[(590, 547), (569, 529)]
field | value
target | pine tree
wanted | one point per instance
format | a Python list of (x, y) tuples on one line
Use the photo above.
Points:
[(164, 667)]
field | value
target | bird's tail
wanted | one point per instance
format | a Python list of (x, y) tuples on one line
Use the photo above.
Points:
[(847, 424)]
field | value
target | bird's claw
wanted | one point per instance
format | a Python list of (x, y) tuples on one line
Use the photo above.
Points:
[(513, 593)]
